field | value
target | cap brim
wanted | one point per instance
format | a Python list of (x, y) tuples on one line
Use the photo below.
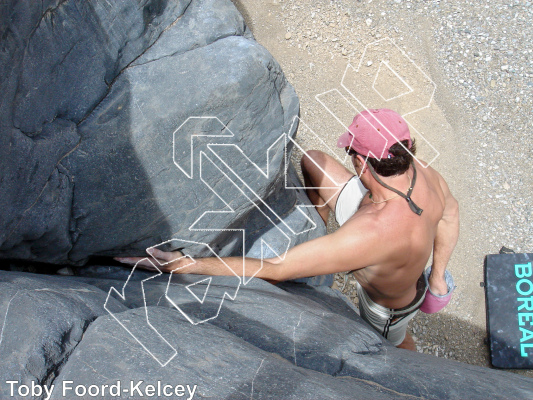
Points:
[(345, 139)]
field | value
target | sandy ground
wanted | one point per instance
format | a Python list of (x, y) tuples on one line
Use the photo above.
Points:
[(463, 72)]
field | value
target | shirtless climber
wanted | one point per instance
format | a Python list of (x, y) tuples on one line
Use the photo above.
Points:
[(392, 216)]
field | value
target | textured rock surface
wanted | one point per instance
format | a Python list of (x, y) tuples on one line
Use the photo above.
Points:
[(42, 319), (290, 341), (96, 144)]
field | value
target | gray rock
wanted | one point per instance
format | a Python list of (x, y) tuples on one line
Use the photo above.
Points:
[(97, 147), (286, 341), (220, 365), (42, 319)]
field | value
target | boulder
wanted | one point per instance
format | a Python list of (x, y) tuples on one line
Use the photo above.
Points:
[(124, 125), (214, 338), (42, 319)]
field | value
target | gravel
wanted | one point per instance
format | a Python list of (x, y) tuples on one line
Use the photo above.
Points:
[(480, 57)]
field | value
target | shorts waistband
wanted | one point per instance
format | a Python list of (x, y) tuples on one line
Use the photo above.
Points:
[(421, 289)]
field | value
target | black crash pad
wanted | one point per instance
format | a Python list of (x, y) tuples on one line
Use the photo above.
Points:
[(509, 297)]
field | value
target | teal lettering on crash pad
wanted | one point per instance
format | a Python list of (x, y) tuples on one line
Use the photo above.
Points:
[(524, 287)]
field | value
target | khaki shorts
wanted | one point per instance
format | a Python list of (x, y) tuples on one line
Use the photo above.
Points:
[(389, 322)]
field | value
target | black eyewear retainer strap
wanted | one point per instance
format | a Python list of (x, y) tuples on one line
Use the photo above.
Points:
[(414, 208)]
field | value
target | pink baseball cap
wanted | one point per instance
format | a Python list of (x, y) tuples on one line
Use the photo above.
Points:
[(374, 131)]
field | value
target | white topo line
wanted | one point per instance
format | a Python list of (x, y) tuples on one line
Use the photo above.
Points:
[(223, 134)]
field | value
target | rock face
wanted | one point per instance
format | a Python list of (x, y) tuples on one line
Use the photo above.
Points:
[(126, 124), (291, 341), (42, 322)]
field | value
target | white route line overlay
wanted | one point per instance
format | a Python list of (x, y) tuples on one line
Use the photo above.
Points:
[(245, 279), (231, 210), (208, 280), (410, 89), (190, 175), (287, 139), (363, 106), (255, 198), (226, 294), (123, 297), (406, 56)]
